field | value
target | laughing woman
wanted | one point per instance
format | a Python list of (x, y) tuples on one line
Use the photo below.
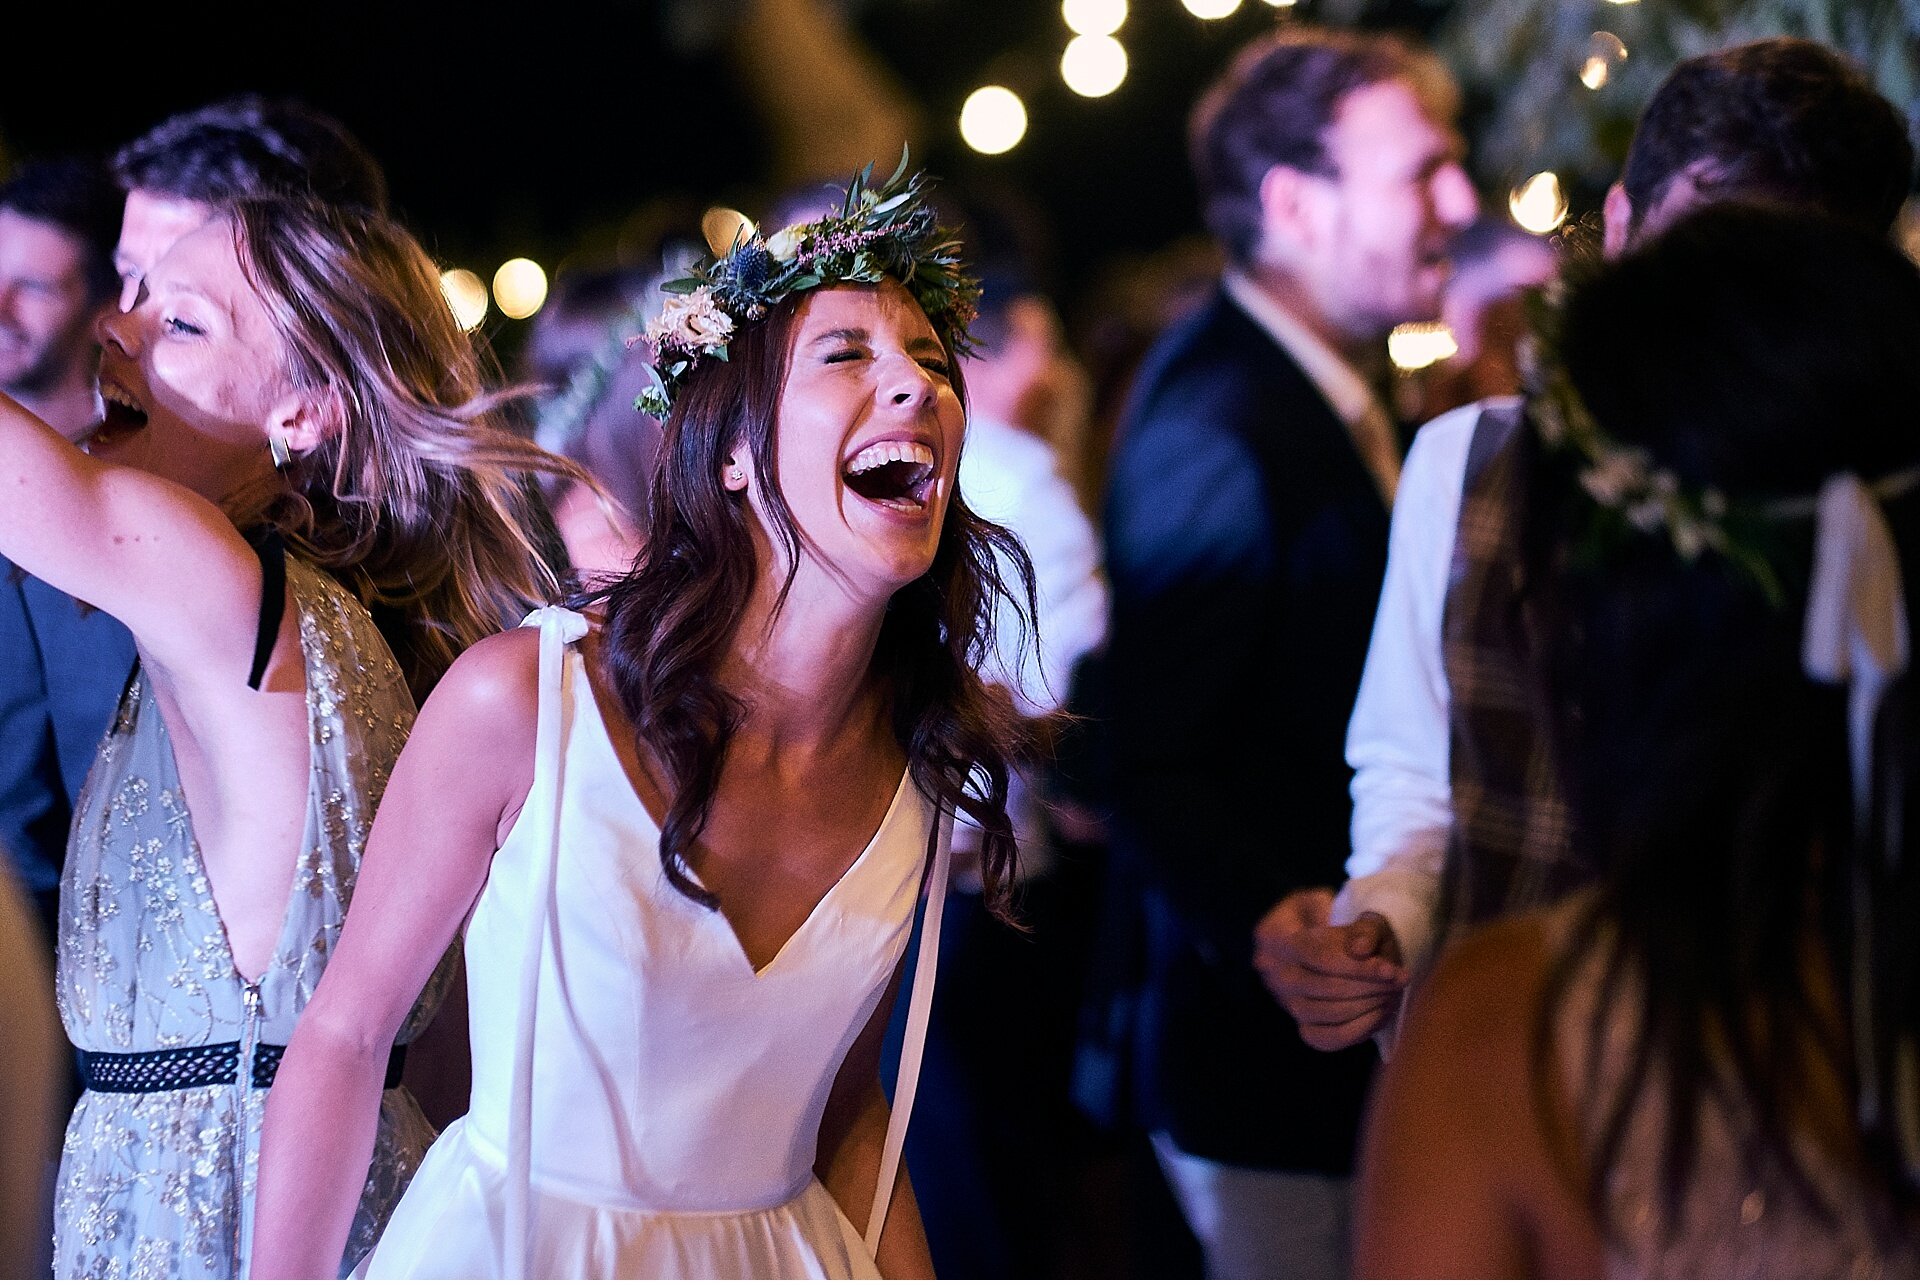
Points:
[(689, 866), (298, 435)]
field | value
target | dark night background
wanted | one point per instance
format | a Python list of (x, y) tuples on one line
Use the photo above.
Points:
[(542, 128)]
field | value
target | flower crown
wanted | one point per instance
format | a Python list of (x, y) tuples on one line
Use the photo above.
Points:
[(1629, 492), (881, 231)]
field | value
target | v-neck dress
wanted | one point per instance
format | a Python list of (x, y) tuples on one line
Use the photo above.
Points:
[(669, 1096), (159, 1183)]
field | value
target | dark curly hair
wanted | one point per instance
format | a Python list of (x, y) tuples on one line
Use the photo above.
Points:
[(672, 618)]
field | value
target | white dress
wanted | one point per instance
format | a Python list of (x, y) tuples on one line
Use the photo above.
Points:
[(645, 1104)]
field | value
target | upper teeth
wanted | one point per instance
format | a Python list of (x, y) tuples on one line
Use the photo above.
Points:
[(120, 396), (888, 453)]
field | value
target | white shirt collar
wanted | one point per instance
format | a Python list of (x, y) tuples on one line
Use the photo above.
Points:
[(1349, 395)]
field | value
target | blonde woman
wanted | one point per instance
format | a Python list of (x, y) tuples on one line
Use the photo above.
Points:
[(301, 504)]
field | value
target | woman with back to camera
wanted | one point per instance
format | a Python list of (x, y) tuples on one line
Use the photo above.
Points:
[(688, 868), (1705, 1066), (297, 434)]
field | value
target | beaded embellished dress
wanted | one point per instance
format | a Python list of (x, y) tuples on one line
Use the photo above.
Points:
[(160, 1183)]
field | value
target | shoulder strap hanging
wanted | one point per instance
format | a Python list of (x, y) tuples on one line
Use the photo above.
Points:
[(916, 1036), (558, 627)]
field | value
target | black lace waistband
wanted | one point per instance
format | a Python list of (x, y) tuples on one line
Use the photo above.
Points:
[(164, 1070)]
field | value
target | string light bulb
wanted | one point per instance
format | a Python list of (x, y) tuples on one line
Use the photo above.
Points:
[(1419, 344), (1211, 10), (1540, 204), (520, 288), (722, 227), (1605, 53), (1093, 66), (1093, 17), (993, 120), (466, 294)]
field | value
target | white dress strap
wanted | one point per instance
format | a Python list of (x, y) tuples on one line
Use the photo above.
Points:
[(558, 627), (915, 1042)]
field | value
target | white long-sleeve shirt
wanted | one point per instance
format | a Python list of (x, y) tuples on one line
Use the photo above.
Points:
[(1012, 477), (1397, 740)]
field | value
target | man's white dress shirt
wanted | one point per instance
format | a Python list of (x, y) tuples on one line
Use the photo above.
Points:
[(1398, 739), (1012, 477)]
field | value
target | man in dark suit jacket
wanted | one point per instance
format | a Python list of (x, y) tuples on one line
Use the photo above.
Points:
[(58, 220), (1246, 527)]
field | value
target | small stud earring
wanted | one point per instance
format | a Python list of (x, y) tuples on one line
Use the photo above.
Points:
[(737, 475), (277, 448)]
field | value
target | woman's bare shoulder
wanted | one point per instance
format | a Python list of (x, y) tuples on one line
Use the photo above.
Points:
[(1485, 987), (495, 684), (1464, 1172)]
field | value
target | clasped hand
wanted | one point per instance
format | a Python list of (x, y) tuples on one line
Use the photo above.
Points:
[(1341, 982)]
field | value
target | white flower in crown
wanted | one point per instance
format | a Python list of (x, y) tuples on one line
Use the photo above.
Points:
[(1617, 476), (785, 243), (691, 322)]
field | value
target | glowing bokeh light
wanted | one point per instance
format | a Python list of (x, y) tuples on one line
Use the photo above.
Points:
[(466, 294), (993, 119), (520, 288), (1419, 344), (1093, 17), (1210, 9), (1539, 205), (1605, 53), (1093, 66), (722, 227)]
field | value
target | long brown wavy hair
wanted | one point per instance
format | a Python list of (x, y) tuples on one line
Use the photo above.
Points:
[(671, 620), (420, 501)]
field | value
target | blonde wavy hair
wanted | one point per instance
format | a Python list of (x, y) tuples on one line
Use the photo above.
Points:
[(421, 498)]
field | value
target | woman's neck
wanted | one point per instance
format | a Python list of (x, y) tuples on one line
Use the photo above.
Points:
[(804, 671)]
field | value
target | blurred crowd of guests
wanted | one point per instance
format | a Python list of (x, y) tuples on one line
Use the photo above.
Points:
[(1295, 733)]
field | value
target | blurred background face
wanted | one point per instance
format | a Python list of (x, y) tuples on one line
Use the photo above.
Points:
[(193, 376), (1022, 374), (148, 229), (1380, 226), (46, 318)]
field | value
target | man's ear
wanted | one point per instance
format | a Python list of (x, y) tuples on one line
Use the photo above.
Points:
[(1616, 221), (305, 418), (1289, 208)]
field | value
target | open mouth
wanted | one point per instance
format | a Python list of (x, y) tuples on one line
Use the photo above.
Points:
[(898, 475), (124, 413)]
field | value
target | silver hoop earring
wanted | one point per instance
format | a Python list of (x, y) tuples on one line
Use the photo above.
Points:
[(278, 449)]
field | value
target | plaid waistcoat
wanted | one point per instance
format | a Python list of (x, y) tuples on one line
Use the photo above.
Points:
[(1510, 849)]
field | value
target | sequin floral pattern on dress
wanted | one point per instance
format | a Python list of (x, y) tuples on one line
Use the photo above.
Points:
[(160, 1184), (1726, 1226)]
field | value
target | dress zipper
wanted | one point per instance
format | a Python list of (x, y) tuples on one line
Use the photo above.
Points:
[(243, 1125)]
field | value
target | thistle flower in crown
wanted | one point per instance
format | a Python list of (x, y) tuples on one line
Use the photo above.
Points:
[(884, 230)]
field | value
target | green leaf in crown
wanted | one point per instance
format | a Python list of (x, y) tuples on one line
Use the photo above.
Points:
[(881, 231)]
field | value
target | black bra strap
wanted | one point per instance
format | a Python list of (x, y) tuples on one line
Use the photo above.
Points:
[(273, 601)]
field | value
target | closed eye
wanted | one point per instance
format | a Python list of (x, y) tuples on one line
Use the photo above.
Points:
[(185, 329), (938, 365), (844, 354)]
